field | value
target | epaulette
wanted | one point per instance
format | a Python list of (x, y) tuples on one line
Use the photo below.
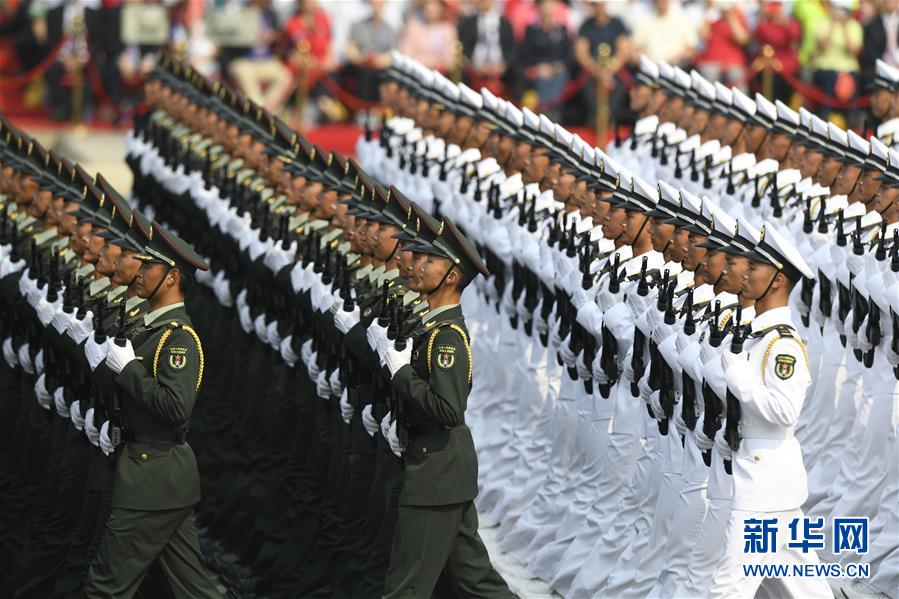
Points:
[(172, 327)]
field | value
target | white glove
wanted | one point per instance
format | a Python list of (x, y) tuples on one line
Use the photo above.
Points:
[(394, 441), (287, 354), (385, 425), (368, 421), (297, 276), (277, 257), (724, 449), (222, 289), (9, 354), (397, 359), (39, 363), (306, 352), (46, 311), (246, 321), (118, 357), (80, 329), (376, 338), (335, 384), (7, 267), (105, 442), (90, 429), (344, 321), (75, 415), (346, 410), (312, 367), (25, 358), (59, 399), (40, 391), (322, 386), (568, 357), (95, 352), (260, 327), (702, 442), (271, 332), (61, 320), (583, 371)]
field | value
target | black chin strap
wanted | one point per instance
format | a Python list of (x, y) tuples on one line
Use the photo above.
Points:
[(159, 284), (396, 246), (768, 288), (445, 275)]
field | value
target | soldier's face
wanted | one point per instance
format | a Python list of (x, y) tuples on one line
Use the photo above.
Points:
[(635, 222), (867, 186), (95, 245), (360, 237), (521, 157), (809, 162), (600, 209), (678, 245), (417, 274), (432, 271), (884, 199), (535, 168), (150, 276), (27, 187), (371, 235), (613, 224), (54, 215), (881, 102), (310, 196), (126, 267), (661, 234), (67, 222), (386, 243), (461, 129), (506, 148), (699, 122), (40, 203), (693, 253), (641, 96), (731, 132), (827, 172), (81, 237), (757, 280), (327, 204), (712, 266), (734, 269), (776, 146), (405, 262), (108, 257), (845, 180), (446, 124), (794, 156)]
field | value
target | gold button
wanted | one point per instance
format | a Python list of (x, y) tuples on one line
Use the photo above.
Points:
[(424, 450), (144, 456), (756, 458)]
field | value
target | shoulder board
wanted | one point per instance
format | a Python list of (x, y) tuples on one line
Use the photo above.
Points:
[(173, 325)]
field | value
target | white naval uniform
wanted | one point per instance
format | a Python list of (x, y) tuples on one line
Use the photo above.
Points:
[(768, 472)]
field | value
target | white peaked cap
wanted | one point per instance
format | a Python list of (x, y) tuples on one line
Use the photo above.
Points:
[(776, 248)]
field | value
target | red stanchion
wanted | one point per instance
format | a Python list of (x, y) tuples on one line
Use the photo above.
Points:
[(21, 80)]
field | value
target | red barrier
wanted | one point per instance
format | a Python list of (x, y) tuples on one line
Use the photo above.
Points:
[(23, 79)]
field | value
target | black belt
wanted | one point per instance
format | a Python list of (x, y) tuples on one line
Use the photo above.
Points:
[(164, 438)]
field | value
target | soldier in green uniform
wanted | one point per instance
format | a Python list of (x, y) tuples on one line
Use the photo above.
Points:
[(436, 534), (156, 482)]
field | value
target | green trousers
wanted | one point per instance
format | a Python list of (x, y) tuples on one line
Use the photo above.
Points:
[(440, 544), (134, 540)]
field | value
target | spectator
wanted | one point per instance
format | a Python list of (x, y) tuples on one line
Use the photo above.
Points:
[(488, 45), (835, 63), (668, 34), (310, 57), (368, 50), (260, 74), (599, 29), (881, 39), (432, 42), (778, 30), (522, 13), (726, 33), (546, 55)]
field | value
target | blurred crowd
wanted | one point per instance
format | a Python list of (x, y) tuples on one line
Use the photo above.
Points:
[(328, 55)]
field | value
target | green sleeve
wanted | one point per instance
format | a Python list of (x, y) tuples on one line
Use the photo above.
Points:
[(444, 395), (172, 392)]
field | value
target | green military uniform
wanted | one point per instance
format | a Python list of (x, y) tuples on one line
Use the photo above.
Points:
[(156, 484), (436, 534)]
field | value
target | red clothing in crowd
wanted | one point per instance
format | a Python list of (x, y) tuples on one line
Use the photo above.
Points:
[(317, 33), (722, 48), (784, 39)]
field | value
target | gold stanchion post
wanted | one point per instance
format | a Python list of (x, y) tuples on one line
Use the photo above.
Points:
[(456, 74), (302, 93), (768, 71), (79, 35), (603, 58)]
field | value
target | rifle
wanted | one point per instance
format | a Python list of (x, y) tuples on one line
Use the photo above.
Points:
[(734, 410), (688, 408), (637, 363), (666, 374), (711, 418), (607, 359)]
